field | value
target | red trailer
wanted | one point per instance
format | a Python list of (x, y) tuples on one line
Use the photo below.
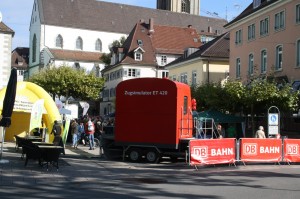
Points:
[(153, 118)]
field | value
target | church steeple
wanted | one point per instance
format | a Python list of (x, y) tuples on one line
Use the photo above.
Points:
[(183, 6)]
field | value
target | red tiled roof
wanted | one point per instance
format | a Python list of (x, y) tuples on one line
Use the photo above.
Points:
[(5, 29), (74, 55), (164, 40), (173, 40)]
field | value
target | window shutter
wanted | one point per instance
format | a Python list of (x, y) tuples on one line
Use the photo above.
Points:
[(125, 72), (138, 72)]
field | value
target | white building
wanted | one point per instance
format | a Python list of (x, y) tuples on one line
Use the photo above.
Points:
[(6, 35)]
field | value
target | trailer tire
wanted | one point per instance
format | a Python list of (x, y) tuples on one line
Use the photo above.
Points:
[(134, 155), (152, 156)]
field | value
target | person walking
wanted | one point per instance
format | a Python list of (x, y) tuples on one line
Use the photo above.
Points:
[(260, 132), (90, 130)]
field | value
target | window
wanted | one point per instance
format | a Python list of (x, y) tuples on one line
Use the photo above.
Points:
[(138, 56), (238, 68), (185, 105), (238, 37), (163, 60), (280, 20), (21, 72), (140, 42), (278, 65), (79, 43), (174, 78), (34, 48), (59, 41), (164, 74), (256, 3), (183, 78), (264, 27), (298, 53), (298, 13), (185, 7), (77, 65), (251, 64), (263, 56), (194, 78), (251, 32), (131, 72), (98, 45)]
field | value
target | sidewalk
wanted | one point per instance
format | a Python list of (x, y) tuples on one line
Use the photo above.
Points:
[(76, 166)]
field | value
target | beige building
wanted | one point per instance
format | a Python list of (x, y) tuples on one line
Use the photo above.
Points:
[(207, 64), (265, 40)]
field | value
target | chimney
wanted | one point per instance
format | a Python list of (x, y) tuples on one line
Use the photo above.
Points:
[(151, 25), (209, 29), (142, 21)]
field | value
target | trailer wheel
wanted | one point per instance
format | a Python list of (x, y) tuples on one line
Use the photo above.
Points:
[(151, 156), (134, 155)]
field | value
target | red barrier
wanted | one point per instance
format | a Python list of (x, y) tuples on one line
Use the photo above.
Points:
[(291, 150), (212, 151), (260, 150)]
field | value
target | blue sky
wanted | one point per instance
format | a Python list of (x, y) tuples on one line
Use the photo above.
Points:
[(16, 13)]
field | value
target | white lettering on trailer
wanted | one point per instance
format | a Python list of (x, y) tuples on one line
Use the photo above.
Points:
[(145, 93), (269, 149), (220, 152)]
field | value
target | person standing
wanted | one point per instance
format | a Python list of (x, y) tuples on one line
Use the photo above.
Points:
[(56, 129), (221, 131), (260, 132), (90, 130), (74, 132), (81, 133)]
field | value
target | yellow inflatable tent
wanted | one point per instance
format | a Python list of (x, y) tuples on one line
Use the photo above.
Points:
[(27, 94)]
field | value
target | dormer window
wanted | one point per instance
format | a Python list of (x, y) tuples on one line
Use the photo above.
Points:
[(256, 3), (138, 54)]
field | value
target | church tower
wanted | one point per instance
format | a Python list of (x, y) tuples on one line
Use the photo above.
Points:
[(182, 6)]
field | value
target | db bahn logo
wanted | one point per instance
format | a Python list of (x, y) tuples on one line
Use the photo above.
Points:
[(292, 149), (201, 152), (250, 149)]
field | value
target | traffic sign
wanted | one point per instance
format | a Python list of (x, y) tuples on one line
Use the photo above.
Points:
[(273, 119)]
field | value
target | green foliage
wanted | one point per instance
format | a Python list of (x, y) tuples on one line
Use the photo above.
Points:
[(116, 43), (254, 98), (67, 81)]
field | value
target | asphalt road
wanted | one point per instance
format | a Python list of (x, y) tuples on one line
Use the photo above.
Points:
[(82, 176)]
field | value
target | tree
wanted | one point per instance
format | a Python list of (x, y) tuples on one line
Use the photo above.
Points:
[(67, 81), (254, 98), (107, 56)]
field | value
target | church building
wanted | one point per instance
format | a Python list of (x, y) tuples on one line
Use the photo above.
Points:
[(77, 32)]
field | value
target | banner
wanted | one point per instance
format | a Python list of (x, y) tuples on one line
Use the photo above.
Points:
[(212, 151), (260, 150), (291, 150), (36, 114), (85, 107), (66, 131)]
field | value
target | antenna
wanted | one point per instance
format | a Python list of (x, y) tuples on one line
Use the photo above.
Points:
[(0, 17)]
